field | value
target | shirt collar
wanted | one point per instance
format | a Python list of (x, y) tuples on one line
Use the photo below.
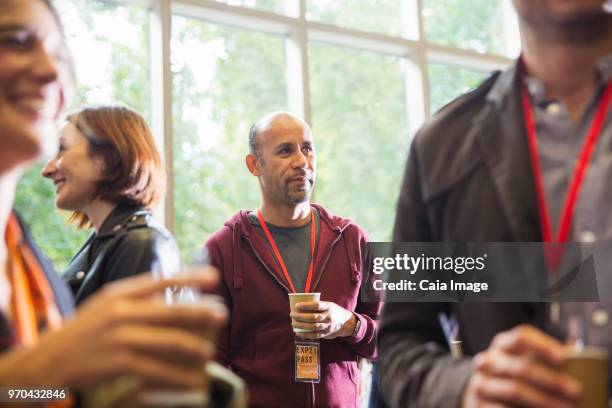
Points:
[(604, 65), (537, 89)]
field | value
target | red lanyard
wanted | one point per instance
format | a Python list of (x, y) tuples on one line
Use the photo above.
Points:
[(279, 258), (582, 164)]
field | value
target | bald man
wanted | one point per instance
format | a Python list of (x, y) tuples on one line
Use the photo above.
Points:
[(290, 245)]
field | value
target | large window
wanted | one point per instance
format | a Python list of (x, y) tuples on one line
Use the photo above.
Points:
[(224, 80), (363, 73)]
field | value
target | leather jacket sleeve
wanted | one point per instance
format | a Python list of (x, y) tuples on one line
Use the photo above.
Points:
[(142, 250), (414, 365), (129, 251)]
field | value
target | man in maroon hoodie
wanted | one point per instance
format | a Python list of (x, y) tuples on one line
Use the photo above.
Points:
[(290, 245)]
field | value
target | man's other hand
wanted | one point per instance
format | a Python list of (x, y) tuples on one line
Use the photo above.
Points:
[(521, 367), (324, 320)]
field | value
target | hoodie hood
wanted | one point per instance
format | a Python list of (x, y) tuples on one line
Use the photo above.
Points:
[(331, 229), (241, 221)]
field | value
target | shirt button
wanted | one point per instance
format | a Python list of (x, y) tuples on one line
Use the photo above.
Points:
[(600, 317), (587, 236), (553, 108), (80, 275), (555, 312)]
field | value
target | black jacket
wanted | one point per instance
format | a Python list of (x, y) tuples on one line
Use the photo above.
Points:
[(468, 178), (129, 242)]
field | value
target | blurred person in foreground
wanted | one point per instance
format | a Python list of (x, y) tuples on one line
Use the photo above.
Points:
[(124, 332), (109, 174), (290, 245), (495, 165)]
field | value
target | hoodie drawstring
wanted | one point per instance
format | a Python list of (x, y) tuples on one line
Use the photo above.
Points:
[(237, 252)]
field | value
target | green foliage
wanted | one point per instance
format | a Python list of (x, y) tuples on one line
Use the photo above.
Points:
[(130, 80), (359, 123), (475, 25), (446, 82), (212, 116)]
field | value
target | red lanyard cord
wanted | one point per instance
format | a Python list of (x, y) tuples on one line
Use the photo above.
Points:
[(279, 258), (580, 169)]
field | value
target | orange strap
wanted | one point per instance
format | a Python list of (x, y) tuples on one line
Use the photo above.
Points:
[(279, 257), (33, 303)]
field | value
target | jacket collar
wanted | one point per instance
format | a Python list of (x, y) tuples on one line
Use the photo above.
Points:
[(120, 215), (502, 139), (334, 223)]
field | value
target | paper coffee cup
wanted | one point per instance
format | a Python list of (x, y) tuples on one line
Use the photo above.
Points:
[(302, 297), (590, 367)]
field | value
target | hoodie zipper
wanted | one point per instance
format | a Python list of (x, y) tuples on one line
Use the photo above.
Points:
[(310, 389), (265, 265), (329, 252)]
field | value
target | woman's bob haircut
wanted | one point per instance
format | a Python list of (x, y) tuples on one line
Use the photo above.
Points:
[(133, 173)]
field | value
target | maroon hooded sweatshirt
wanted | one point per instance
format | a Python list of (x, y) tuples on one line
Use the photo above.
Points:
[(258, 344)]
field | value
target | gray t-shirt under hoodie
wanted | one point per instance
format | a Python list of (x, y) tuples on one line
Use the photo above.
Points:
[(294, 246)]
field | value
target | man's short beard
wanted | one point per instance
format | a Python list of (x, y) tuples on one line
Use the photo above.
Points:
[(587, 27), (580, 28), (297, 199)]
